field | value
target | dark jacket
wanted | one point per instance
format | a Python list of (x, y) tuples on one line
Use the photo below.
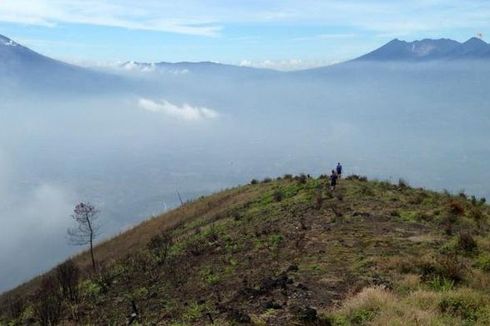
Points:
[(339, 169)]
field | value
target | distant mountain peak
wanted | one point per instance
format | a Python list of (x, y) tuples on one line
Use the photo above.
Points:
[(398, 50), (428, 50), (476, 40), (396, 40), (475, 43)]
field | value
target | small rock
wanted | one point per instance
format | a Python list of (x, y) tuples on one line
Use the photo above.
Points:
[(292, 268), (239, 317), (308, 314), (305, 314), (250, 292), (362, 214), (272, 305), (270, 283), (301, 286)]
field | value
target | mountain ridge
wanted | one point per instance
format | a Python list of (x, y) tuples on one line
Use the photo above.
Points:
[(283, 251), (429, 50), (199, 68), (15, 56)]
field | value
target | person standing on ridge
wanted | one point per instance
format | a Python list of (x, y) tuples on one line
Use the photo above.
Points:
[(339, 170), (333, 180)]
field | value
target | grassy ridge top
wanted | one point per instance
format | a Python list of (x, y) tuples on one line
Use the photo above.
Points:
[(286, 251)]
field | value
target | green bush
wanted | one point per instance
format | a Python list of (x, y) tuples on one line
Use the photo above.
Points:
[(363, 316), (139, 293), (27, 315), (465, 304), (451, 267), (90, 289), (366, 190), (288, 177), (483, 262), (302, 178), (193, 312), (159, 247), (210, 276), (278, 195), (360, 316), (477, 215), (336, 320), (447, 266), (409, 216), (355, 177), (275, 240), (442, 284)]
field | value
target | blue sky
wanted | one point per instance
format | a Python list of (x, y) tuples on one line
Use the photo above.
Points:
[(283, 34)]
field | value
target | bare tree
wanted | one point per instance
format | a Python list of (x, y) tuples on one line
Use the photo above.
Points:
[(85, 215), (180, 199)]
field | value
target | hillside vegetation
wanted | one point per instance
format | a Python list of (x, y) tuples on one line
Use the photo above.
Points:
[(281, 252)]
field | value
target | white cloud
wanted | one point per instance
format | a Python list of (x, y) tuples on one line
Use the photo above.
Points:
[(183, 112), (148, 15), (34, 221), (206, 18)]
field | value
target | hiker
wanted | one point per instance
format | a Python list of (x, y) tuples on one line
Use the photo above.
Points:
[(333, 180), (339, 170)]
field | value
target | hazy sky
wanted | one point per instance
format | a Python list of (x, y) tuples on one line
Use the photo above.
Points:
[(282, 33)]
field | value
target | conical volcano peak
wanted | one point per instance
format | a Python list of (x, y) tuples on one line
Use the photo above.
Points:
[(6, 41), (475, 40)]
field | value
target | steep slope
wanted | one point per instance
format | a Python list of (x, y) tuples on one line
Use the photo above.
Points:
[(25, 70), (281, 252)]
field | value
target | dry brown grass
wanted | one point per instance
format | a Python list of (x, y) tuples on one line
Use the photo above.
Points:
[(379, 306), (138, 236), (405, 315), (424, 238), (409, 283), (371, 298), (480, 280), (423, 299)]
